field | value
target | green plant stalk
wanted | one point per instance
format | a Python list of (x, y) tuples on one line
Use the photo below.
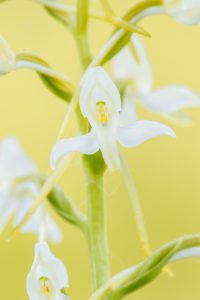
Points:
[(81, 32), (97, 235), (94, 168), (83, 48)]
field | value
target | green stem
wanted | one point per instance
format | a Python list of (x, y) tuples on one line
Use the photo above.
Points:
[(84, 53), (97, 235), (81, 32), (94, 169)]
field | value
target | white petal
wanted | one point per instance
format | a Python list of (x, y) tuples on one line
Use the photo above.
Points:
[(184, 11), (17, 200), (128, 114), (24, 202), (25, 195), (23, 205), (141, 131), (7, 57), (97, 86), (137, 69), (86, 144), (171, 99), (47, 265), (108, 146), (14, 162), (40, 218), (187, 253)]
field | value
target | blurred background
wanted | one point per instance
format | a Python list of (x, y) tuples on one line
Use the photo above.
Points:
[(166, 171)]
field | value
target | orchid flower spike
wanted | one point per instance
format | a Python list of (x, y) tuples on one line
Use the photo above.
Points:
[(134, 70), (48, 278), (183, 11), (7, 57), (100, 103), (18, 191)]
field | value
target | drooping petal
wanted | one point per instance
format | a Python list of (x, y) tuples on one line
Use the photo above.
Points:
[(7, 57), (184, 11), (14, 162), (108, 145), (137, 69), (141, 131), (86, 144), (48, 275), (96, 87), (170, 99)]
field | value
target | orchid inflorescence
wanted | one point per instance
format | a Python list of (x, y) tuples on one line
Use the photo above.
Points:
[(105, 106)]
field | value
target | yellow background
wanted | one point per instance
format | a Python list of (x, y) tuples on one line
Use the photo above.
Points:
[(167, 171)]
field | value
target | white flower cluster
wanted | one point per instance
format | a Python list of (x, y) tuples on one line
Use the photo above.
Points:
[(19, 188), (113, 121)]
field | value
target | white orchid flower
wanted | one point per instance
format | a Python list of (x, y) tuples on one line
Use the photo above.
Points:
[(18, 191), (184, 11), (100, 103), (136, 73), (48, 278), (7, 57)]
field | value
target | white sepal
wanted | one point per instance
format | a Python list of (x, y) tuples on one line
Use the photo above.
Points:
[(47, 277), (141, 131), (171, 98), (135, 69), (96, 87), (86, 144), (184, 11)]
